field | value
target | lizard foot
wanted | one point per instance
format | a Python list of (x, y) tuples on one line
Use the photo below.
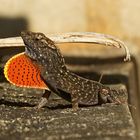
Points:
[(42, 102), (75, 107), (44, 99)]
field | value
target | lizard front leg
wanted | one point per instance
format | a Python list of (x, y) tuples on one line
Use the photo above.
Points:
[(44, 99)]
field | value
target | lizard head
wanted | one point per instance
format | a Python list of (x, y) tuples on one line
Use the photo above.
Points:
[(42, 49)]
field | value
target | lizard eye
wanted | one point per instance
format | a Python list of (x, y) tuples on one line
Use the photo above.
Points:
[(38, 37)]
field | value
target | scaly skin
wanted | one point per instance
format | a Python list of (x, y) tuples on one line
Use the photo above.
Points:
[(60, 80)]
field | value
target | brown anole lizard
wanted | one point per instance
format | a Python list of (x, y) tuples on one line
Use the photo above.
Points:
[(62, 81)]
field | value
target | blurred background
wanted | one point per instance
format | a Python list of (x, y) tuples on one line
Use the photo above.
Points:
[(119, 18)]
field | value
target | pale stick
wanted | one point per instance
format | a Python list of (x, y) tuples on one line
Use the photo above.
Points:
[(73, 37)]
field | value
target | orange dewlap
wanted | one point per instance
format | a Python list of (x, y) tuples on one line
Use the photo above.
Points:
[(21, 71)]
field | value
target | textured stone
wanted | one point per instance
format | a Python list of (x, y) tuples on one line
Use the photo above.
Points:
[(20, 120)]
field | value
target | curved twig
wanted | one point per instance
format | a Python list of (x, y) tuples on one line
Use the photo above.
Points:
[(74, 37)]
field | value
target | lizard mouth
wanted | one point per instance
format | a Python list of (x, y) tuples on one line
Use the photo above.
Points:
[(28, 39), (30, 53)]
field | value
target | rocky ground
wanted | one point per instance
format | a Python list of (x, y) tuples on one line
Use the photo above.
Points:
[(19, 119)]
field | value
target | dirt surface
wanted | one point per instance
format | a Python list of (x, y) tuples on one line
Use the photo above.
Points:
[(19, 119)]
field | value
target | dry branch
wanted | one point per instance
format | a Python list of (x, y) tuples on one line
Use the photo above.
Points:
[(74, 37)]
